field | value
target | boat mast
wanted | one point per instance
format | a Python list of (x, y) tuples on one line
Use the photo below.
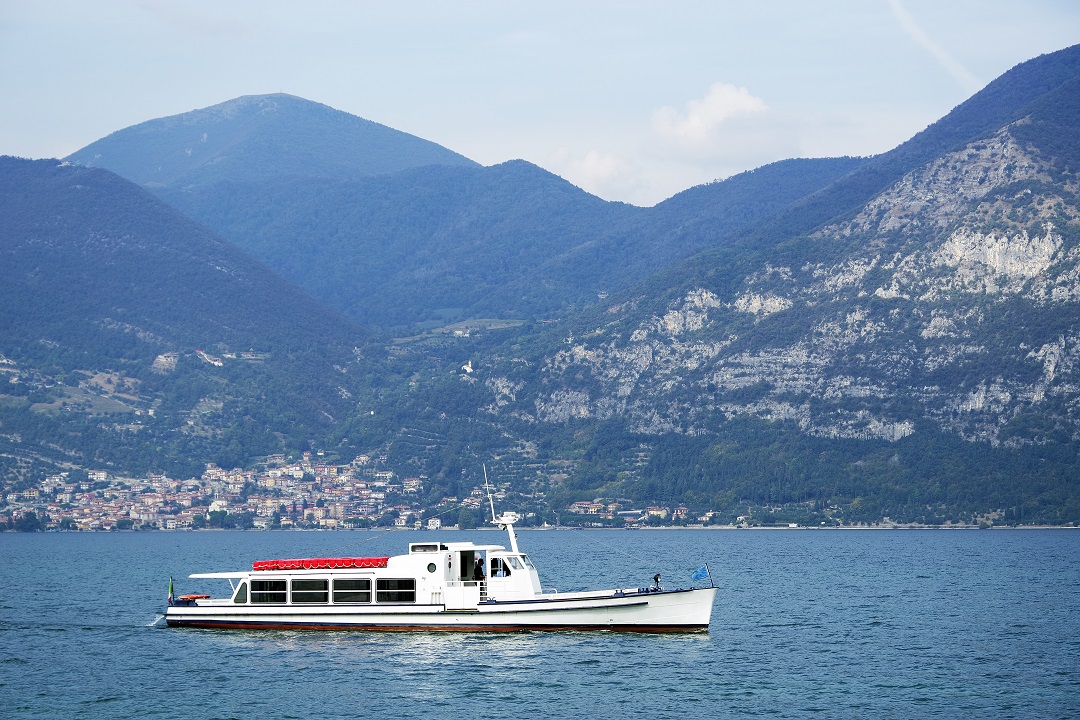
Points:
[(506, 520), (491, 501)]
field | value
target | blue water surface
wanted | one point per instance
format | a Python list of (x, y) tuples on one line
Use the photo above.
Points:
[(807, 623)]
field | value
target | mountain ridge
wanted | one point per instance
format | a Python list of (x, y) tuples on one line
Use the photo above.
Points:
[(885, 337), (997, 104), (134, 337), (942, 305), (256, 137), (511, 240)]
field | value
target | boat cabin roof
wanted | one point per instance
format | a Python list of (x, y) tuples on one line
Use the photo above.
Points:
[(414, 549), (431, 547)]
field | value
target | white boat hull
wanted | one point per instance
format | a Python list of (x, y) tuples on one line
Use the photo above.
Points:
[(438, 585), (651, 611)]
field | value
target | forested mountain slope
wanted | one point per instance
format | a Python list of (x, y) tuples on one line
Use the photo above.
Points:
[(845, 339), (258, 137), (944, 306), (392, 236), (132, 337)]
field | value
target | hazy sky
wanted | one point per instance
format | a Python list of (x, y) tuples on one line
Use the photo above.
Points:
[(632, 101)]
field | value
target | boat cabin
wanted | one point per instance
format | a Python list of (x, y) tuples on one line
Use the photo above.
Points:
[(456, 575)]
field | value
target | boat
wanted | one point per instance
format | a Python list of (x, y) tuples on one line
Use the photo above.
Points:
[(437, 586)]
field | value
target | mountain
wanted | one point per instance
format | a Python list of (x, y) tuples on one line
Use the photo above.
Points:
[(422, 239), (1005, 100), (843, 340), (511, 240), (907, 336), (420, 244), (133, 337), (616, 257), (258, 137)]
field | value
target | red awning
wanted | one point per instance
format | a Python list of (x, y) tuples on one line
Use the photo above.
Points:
[(320, 563)]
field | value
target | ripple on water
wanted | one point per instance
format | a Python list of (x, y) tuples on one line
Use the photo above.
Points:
[(821, 624)]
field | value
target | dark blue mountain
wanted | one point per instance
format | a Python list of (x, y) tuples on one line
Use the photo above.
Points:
[(258, 137), (392, 230), (136, 338)]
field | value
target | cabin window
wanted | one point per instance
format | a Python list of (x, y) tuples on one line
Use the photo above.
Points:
[(515, 563), (499, 568), (394, 590), (310, 591), (241, 595), (424, 548), (527, 561), (268, 591), (356, 590)]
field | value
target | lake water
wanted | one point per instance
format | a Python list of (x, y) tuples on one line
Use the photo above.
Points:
[(809, 623)]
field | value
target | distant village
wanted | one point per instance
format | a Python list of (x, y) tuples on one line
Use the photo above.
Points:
[(284, 494)]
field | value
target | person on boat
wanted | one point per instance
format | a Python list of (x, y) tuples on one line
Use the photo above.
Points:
[(478, 572)]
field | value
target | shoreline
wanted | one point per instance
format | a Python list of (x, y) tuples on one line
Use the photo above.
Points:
[(811, 527), (564, 528)]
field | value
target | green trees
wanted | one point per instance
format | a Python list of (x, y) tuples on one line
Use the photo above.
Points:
[(466, 519), (28, 522)]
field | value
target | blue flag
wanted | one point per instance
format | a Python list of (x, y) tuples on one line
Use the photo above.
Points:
[(701, 573)]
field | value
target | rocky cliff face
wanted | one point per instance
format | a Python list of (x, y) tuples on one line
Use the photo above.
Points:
[(951, 298)]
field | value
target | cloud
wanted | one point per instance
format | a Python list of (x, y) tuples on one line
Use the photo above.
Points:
[(960, 74), (703, 120), (727, 131)]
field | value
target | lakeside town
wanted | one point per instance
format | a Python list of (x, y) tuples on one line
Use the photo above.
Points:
[(282, 494)]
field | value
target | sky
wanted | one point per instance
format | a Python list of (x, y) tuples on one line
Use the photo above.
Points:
[(632, 101)]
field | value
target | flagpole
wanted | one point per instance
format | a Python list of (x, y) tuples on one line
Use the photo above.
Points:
[(707, 570)]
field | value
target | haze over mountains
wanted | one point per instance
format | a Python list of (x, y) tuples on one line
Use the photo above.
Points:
[(362, 235), (863, 337)]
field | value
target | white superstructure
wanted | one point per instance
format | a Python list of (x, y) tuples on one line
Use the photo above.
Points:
[(436, 586)]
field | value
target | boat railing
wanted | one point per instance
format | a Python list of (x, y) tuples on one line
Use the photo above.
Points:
[(482, 584)]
